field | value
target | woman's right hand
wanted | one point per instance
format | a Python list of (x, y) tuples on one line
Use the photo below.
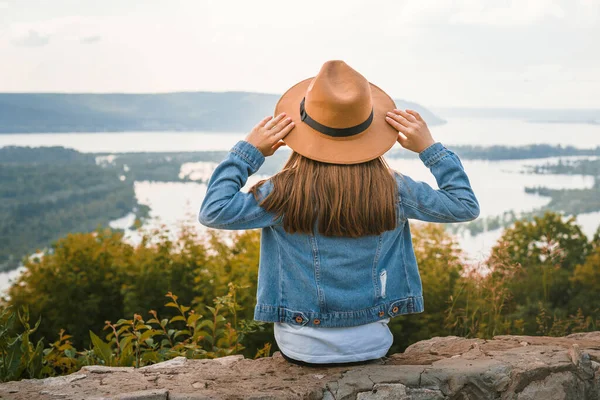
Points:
[(413, 133), (267, 135)]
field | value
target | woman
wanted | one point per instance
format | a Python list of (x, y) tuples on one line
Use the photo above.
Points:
[(336, 260)]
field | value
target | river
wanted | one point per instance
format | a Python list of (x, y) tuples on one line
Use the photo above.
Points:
[(499, 185)]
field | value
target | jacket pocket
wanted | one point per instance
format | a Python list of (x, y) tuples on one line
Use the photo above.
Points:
[(382, 281)]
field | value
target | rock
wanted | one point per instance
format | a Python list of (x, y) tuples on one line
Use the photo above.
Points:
[(398, 391), (229, 359), (585, 336), (385, 391), (575, 353), (101, 369), (328, 396), (559, 386), (352, 382), (53, 394), (154, 394), (189, 396), (545, 368), (172, 363), (60, 380)]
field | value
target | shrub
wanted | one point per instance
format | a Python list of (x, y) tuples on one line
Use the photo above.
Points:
[(129, 342)]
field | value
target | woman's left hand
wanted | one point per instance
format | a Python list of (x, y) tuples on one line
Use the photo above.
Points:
[(267, 134)]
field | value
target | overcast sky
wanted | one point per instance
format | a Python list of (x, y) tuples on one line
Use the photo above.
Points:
[(526, 53)]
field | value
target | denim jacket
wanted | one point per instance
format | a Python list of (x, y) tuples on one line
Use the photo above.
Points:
[(314, 280)]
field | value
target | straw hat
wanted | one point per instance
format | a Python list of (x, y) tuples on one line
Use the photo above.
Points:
[(339, 116)]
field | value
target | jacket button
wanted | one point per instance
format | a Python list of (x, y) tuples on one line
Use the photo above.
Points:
[(381, 313), (395, 309), (316, 321), (299, 319)]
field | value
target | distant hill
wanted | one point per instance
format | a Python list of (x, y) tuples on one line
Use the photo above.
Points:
[(183, 111), (47, 192), (546, 115)]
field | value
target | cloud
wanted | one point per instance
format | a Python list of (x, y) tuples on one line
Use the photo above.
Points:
[(459, 52), (32, 39), (91, 39), (3, 5), (73, 29)]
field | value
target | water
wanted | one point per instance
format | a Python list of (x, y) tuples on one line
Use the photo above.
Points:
[(499, 185), (512, 132), (127, 142), (6, 278), (462, 131)]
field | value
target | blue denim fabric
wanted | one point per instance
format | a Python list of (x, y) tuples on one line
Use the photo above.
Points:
[(322, 281)]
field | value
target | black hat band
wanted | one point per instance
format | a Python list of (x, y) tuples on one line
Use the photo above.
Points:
[(336, 132)]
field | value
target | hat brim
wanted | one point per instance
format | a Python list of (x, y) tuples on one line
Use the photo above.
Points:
[(377, 139)]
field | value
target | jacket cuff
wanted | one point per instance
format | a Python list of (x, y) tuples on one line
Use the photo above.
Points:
[(433, 154), (249, 153)]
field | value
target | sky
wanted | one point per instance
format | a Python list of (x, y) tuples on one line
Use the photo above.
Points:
[(439, 53)]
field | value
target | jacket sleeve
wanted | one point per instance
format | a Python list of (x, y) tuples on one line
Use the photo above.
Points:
[(225, 206), (454, 201)]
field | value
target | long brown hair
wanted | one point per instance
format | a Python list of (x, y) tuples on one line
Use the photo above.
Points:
[(347, 199)]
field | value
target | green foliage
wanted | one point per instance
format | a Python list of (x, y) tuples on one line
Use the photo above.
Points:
[(161, 264), (548, 249), (20, 357), (45, 194), (166, 167), (540, 279), (77, 286), (567, 201), (440, 269), (89, 278), (130, 342), (138, 342), (586, 282), (499, 152), (570, 201), (570, 167), (478, 306)]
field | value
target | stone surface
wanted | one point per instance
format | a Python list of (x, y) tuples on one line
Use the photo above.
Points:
[(172, 363), (505, 368)]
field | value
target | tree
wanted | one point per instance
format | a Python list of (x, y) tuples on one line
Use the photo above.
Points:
[(159, 265), (586, 281), (440, 269), (547, 248), (76, 286)]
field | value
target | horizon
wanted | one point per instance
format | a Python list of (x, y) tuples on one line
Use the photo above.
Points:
[(430, 107)]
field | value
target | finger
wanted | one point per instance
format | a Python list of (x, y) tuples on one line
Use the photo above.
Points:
[(280, 125), (406, 115), (403, 123), (263, 122), (403, 140), (398, 118), (274, 121), (415, 114), (283, 133), (397, 125), (278, 145)]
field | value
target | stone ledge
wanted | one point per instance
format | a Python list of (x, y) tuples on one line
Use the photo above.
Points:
[(507, 367)]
